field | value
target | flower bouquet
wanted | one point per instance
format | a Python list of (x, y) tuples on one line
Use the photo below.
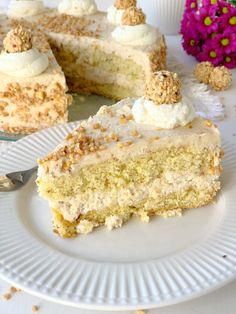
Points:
[(209, 31)]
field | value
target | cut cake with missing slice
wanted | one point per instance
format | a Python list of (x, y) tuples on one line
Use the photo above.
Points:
[(111, 168)]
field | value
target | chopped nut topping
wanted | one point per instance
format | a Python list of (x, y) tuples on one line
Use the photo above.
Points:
[(163, 87), (68, 24), (129, 117), (123, 119), (124, 4), (17, 40), (6, 296), (103, 129), (35, 308), (133, 16), (114, 137), (96, 126), (135, 133), (208, 123)]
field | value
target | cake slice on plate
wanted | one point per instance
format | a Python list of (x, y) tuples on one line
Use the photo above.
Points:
[(144, 157), (96, 54), (33, 87)]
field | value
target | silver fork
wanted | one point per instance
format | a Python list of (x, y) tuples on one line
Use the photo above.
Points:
[(15, 180)]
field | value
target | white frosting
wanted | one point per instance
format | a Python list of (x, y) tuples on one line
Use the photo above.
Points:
[(23, 8), (77, 7), (114, 15), (23, 64), (165, 116), (137, 35)]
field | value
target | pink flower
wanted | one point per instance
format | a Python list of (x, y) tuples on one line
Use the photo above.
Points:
[(210, 53), (210, 3), (191, 43), (207, 20), (188, 22), (209, 32), (225, 41), (191, 5), (229, 60), (225, 7)]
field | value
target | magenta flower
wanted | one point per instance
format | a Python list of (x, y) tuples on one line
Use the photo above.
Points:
[(207, 22), (210, 3), (210, 53), (229, 19), (191, 5), (191, 43), (209, 31), (230, 61), (225, 41)]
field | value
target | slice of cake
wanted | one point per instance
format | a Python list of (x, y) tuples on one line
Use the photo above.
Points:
[(146, 156), (96, 55), (33, 87)]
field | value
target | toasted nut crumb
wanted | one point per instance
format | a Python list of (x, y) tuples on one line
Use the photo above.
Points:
[(96, 126), (208, 123), (13, 289), (35, 308), (103, 129), (6, 296), (123, 119), (140, 312)]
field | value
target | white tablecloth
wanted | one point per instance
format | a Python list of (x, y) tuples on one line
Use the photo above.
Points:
[(221, 301)]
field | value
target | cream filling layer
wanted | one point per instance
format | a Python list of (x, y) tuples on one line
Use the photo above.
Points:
[(171, 182), (101, 76), (24, 8)]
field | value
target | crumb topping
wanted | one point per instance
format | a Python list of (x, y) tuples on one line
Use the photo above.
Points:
[(17, 40), (202, 71), (35, 308), (68, 24), (38, 38), (133, 16), (37, 94), (220, 78), (125, 4), (163, 87)]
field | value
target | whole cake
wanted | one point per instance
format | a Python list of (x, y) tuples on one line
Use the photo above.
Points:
[(107, 54), (33, 87), (145, 156)]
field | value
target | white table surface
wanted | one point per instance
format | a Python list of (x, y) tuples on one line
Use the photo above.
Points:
[(218, 302)]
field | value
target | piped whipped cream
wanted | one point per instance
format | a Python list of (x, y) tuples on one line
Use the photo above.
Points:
[(23, 8), (137, 35), (165, 116), (77, 7), (23, 64), (114, 15)]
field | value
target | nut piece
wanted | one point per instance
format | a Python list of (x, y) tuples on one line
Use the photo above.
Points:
[(133, 16), (125, 4), (17, 40), (35, 308), (220, 78), (163, 87), (202, 72)]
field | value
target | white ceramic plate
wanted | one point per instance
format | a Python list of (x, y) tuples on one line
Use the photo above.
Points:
[(137, 266)]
